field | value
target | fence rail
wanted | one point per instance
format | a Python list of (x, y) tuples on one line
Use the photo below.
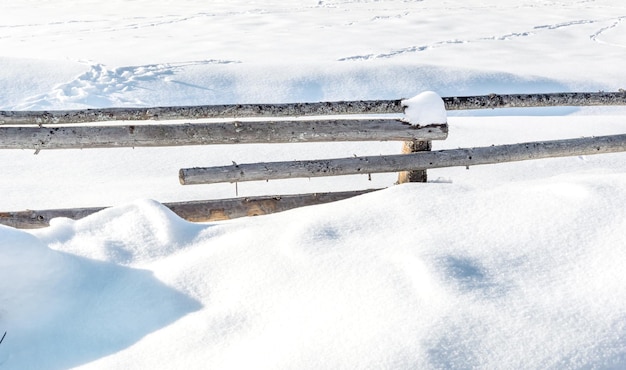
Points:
[(571, 99), (305, 109), (238, 132), (194, 211), (404, 162)]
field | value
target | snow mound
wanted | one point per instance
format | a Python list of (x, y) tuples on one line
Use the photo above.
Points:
[(424, 109), (432, 276), (143, 231), (61, 310)]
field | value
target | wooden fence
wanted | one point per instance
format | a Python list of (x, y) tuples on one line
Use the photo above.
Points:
[(265, 123)]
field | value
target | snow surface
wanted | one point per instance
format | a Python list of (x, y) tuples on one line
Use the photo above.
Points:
[(515, 265), (424, 108)]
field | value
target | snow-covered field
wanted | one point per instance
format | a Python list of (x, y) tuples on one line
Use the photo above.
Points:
[(508, 266)]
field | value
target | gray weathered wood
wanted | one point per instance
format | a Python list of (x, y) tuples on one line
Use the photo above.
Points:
[(199, 112), (404, 162), (536, 100), (64, 137), (195, 211), (305, 109)]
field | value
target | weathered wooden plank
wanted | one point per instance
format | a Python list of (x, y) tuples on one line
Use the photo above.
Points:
[(536, 100), (81, 137), (224, 209), (199, 112), (305, 109), (35, 219), (195, 211), (404, 162)]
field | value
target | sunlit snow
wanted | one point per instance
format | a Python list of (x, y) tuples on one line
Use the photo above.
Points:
[(424, 108), (509, 266)]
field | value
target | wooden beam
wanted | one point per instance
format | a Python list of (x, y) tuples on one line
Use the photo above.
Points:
[(305, 109), (194, 211), (81, 137), (200, 112), (536, 100), (36, 219), (404, 162)]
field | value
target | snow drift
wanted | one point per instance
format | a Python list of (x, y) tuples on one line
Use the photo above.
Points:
[(508, 266), (518, 275)]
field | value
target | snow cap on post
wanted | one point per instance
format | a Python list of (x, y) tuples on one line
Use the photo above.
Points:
[(424, 109)]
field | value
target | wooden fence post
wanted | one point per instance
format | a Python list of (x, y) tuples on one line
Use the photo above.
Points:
[(414, 146)]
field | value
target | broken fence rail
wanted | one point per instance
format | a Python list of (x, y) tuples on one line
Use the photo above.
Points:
[(404, 162), (306, 109)]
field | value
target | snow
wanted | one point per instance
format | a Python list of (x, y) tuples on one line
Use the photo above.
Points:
[(425, 108), (516, 265)]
